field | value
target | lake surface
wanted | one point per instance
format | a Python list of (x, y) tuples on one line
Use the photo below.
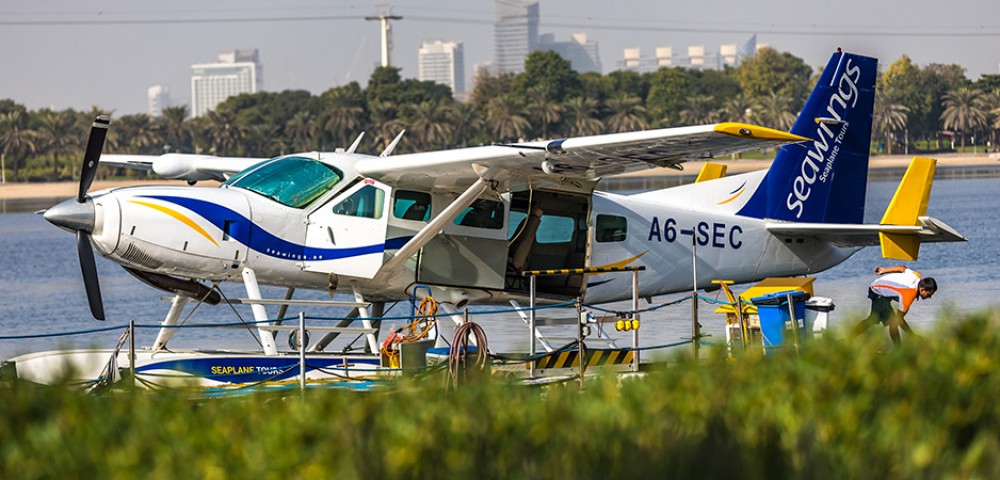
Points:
[(41, 290)]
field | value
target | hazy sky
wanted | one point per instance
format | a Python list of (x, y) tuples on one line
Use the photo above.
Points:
[(71, 53)]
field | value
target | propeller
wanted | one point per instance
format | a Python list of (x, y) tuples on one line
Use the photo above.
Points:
[(79, 216), (98, 131)]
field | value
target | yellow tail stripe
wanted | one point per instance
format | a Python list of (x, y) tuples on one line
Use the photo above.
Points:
[(180, 217)]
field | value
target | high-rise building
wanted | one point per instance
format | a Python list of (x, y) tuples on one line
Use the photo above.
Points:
[(515, 33), (664, 56), (444, 63), (236, 72), (581, 53), (157, 98), (697, 58)]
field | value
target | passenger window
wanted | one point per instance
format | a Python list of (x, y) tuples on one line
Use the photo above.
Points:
[(409, 205), (367, 202), (555, 229), (611, 228), (516, 223), (482, 214)]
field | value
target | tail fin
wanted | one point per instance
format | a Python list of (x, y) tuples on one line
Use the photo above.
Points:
[(711, 171), (825, 181), (907, 206)]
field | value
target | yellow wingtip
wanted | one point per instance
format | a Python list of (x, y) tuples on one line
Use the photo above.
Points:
[(746, 130)]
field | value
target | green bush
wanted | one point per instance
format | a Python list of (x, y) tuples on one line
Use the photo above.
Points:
[(841, 409)]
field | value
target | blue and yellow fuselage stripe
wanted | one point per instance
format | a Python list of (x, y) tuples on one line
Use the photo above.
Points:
[(245, 231)]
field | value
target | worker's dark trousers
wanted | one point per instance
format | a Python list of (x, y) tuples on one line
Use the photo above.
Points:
[(882, 310)]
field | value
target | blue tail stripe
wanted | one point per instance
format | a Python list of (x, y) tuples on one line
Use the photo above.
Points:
[(826, 180)]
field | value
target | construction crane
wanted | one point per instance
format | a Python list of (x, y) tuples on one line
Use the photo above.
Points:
[(384, 15)]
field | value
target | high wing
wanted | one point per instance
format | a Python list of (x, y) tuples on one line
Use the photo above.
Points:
[(186, 166), (861, 235), (574, 162)]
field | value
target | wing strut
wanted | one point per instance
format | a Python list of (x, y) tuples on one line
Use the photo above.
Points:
[(435, 226)]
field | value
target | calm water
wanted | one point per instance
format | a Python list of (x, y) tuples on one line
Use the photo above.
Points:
[(41, 290)]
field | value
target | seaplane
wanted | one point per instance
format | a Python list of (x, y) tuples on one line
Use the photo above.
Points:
[(464, 224)]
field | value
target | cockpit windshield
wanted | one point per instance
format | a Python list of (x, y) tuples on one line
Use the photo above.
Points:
[(292, 181)]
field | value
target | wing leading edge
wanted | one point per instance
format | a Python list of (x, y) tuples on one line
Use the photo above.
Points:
[(581, 160), (183, 166)]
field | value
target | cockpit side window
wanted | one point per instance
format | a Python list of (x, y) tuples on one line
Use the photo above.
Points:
[(368, 202), (291, 181), (482, 214)]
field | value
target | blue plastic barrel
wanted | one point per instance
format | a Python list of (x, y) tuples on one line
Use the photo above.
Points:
[(772, 309)]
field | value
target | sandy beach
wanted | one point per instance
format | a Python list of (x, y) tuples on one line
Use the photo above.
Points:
[(24, 191)]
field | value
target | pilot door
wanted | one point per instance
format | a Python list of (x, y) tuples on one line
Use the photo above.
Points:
[(346, 236)]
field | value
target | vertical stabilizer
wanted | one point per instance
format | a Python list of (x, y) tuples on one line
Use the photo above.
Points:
[(825, 180), (711, 171)]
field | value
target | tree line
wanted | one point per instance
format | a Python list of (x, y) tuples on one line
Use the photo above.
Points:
[(932, 106)]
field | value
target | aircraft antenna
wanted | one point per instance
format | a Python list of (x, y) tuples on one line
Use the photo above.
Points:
[(383, 15)]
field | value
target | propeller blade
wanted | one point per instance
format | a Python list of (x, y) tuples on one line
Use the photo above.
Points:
[(89, 268), (93, 155)]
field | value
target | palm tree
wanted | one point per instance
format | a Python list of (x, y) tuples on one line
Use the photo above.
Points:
[(542, 110), (302, 130), (262, 140), (385, 123), (963, 111), (581, 117), (57, 136), (627, 114), (224, 134), (504, 119), (429, 121), (177, 131), (15, 140), (344, 116), (890, 117), (699, 110), (140, 134), (776, 111), (738, 108), (466, 122), (991, 101)]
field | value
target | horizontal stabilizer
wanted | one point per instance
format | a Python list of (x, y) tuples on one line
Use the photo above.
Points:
[(929, 229)]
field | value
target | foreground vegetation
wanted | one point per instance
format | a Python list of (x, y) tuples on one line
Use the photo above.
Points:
[(844, 409), (935, 105)]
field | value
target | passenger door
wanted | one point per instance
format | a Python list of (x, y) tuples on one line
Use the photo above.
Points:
[(346, 236)]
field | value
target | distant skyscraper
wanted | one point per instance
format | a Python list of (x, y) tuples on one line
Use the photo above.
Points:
[(158, 98), (582, 54), (236, 72), (444, 63), (697, 58), (515, 33)]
